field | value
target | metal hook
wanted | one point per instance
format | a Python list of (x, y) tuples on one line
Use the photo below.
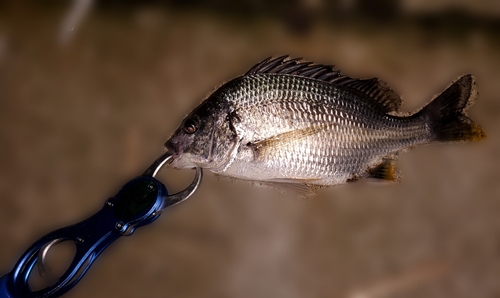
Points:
[(153, 170), (174, 199)]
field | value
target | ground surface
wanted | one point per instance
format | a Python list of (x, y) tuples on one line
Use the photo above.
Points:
[(76, 121)]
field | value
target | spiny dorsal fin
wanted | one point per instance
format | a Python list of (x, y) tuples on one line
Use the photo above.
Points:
[(373, 88), (284, 65)]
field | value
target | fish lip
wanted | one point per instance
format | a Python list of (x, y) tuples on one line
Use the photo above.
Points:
[(184, 162), (175, 164), (172, 149)]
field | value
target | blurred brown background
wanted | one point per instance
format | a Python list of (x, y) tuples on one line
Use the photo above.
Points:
[(83, 110)]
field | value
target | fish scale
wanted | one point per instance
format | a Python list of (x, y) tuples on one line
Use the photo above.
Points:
[(293, 122), (354, 123)]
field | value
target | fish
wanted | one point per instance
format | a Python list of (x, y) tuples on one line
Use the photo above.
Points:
[(297, 125)]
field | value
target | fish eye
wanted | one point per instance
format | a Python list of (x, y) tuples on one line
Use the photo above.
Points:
[(191, 125)]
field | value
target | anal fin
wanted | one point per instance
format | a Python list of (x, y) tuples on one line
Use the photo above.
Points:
[(385, 171)]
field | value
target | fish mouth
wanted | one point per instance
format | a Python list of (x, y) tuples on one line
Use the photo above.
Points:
[(179, 164), (180, 160), (173, 149)]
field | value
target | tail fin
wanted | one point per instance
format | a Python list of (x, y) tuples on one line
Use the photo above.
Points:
[(447, 116)]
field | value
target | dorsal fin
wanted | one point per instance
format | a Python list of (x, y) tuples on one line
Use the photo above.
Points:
[(374, 88), (283, 65)]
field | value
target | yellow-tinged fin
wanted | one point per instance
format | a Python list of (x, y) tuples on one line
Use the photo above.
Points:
[(446, 113), (386, 170)]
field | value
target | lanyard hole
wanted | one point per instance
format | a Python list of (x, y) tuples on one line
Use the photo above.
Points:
[(53, 261)]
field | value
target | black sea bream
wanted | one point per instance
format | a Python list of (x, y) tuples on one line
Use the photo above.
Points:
[(296, 124)]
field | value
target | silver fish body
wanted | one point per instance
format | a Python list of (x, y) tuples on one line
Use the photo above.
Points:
[(277, 124)]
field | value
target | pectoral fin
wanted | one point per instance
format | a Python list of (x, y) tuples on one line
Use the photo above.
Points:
[(283, 139)]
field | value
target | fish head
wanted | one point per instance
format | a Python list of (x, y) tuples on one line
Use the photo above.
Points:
[(204, 137)]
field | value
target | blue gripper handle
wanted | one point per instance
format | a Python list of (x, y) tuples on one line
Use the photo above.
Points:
[(139, 202)]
